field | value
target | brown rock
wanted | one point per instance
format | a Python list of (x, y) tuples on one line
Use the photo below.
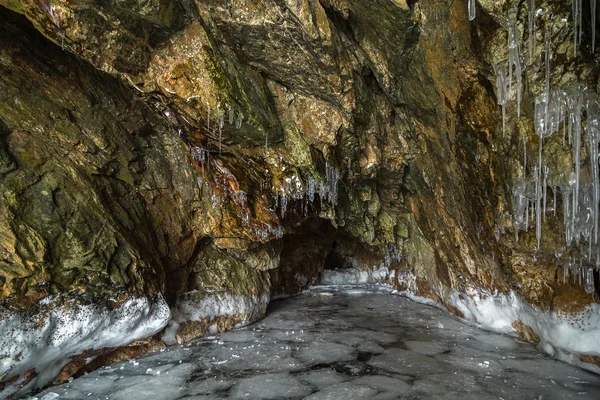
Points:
[(526, 331), (591, 359)]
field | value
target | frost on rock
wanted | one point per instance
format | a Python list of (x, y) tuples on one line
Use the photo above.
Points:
[(45, 341)]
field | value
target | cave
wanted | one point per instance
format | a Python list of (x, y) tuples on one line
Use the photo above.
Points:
[(299, 199)]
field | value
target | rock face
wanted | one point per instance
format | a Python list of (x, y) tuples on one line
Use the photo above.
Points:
[(227, 150)]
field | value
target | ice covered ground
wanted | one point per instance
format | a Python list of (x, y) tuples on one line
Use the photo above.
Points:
[(342, 345)]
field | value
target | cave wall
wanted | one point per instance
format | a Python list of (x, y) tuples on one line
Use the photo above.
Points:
[(212, 152)]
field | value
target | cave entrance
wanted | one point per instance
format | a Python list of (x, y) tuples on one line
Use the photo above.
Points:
[(316, 250)]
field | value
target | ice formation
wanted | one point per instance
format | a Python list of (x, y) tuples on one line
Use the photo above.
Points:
[(593, 13), (531, 24), (573, 110), (472, 10), (356, 276), (577, 23), (502, 92), (576, 333), (45, 341), (208, 305), (515, 63), (221, 123), (201, 155), (363, 345)]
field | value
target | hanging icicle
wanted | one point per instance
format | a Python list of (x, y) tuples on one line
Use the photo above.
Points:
[(501, 92), (472, 10), (515, 64), (531, 23), (577, 6), (593, 16)]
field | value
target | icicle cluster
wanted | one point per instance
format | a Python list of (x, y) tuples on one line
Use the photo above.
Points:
[(506, 71), (576, 112), (201, 155), (573, 109), (223, 114), (580, 273), (392, 255), (295, 189), (266, 231), (330, 191)]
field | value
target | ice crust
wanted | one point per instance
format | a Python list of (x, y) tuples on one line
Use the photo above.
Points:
[(307, 348), (46, 341), (215, 304), (577, 333)]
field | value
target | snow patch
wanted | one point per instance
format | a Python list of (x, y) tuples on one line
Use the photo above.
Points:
[(576, 333), (46, 341), (198, 306), (356, 276)]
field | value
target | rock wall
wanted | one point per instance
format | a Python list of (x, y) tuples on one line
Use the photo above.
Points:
[(220, 151)]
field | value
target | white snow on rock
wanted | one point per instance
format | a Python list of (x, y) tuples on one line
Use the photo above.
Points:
[(46, 341), (356, 276), (197, 306), (576, 333)]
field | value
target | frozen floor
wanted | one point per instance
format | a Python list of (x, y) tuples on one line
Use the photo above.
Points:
[(342, 346)]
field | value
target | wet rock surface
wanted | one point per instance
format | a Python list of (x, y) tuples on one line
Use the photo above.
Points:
[(326, 345)]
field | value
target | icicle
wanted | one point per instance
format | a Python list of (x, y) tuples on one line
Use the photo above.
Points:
[(220, 121), (310, 189), (548, 57), (577, 19), (231, 114), (208, 117), (283, 202), (201, 155), (472, 10), (519, 203), (576, 121), (332, 177), (238, 121), (589, 280), (593, 15), (580, 20), (501, 92), (593, 133), (546, 170), (266, 143), (525, 157), (532, 28), (566, 191), (514, 60), (537, 172)]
